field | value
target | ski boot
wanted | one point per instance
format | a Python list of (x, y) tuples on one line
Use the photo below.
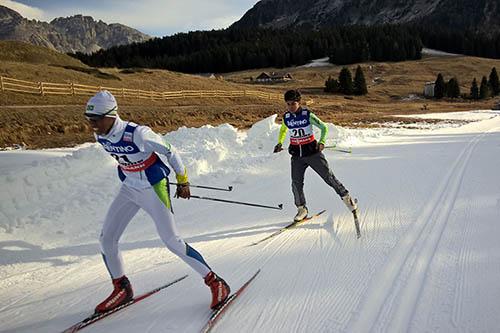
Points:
[(122, 293), (351, 204), (301, 213), (219, 288)]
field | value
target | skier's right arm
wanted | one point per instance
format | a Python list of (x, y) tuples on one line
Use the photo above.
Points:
[(281, 138)]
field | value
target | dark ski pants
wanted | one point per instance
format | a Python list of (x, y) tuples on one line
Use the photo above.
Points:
[(319, 164)]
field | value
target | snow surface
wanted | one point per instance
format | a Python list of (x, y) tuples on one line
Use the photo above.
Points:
[(321, 62), (433, 52), (428, 259)]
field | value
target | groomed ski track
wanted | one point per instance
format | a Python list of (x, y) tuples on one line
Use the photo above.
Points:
[(427, 260)]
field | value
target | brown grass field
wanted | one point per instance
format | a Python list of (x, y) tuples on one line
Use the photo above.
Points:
[(57, 121)]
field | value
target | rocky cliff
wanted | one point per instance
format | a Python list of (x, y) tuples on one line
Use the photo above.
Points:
[(479, 15), (69, 34)]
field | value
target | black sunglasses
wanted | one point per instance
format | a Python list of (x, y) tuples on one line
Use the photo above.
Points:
[(96, 117)]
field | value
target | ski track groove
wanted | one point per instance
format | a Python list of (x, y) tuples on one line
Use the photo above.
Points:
[(345, 297), (34, 291), (284, 243), (331, 265), (417, 244), (341, 312), (460, 282), (428, 244)]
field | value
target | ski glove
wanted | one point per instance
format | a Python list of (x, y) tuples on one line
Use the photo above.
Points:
[(183, 191), (277, 148), (321, 147)]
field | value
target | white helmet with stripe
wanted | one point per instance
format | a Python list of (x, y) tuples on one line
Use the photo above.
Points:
[(102, 104)]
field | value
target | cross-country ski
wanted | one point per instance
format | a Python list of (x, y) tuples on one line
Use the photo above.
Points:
[(288, 227), (99, 316), (220, 310)]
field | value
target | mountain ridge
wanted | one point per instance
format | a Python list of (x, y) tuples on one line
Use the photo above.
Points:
[(452, 14), (77, 33)]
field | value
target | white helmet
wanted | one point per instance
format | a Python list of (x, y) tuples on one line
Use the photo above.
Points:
[(102, 104)]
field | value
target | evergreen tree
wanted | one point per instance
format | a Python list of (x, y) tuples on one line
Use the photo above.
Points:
[(332, 85), (484, 90), (474, 90), (494, 82), (345, 81), (359, 85), (439, 87), (453, 88)]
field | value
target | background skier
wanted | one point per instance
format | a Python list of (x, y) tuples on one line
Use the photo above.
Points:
[(307, 151)]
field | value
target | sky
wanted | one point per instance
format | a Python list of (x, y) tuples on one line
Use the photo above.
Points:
[(154, 17)]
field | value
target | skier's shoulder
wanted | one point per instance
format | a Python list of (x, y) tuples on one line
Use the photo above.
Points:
[(302, 112), (131, 126), (305, 110), (139, 130)]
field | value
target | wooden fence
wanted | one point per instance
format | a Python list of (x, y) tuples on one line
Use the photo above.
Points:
[(72, 89)]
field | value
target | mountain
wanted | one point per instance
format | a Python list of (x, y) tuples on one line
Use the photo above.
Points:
[(67, 34), (478, 15)]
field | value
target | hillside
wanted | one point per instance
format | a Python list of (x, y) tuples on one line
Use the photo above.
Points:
[(22, 52), (394, 88), (76, 33), (455, 15)]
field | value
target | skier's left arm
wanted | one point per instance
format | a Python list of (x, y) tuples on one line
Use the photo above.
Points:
[(321, 125), (149, 141)]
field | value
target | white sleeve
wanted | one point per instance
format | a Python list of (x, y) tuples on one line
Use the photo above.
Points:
[(149, 141)]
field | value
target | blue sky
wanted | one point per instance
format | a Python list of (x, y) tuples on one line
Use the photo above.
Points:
[(154, 17)]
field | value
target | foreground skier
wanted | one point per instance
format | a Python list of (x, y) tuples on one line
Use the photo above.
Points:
[(306, 151), (144, 179)]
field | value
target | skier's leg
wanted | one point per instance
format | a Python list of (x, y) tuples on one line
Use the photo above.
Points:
[(156, 202), (119, 214), (157, 205), (121, 211), (298, 168), (319, 164)]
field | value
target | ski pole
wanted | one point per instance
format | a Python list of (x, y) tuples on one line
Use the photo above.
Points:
[(280, 206), (339, 149), (228, 189)]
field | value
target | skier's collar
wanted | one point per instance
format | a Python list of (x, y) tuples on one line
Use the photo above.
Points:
[(298, 113), (116, 129)]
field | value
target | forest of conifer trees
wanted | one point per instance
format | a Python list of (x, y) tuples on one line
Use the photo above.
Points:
[(233, 50), (229, 50)]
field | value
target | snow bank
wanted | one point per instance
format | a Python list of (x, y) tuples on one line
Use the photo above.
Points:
[(47, 184), (470, 116), (39, 192)]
